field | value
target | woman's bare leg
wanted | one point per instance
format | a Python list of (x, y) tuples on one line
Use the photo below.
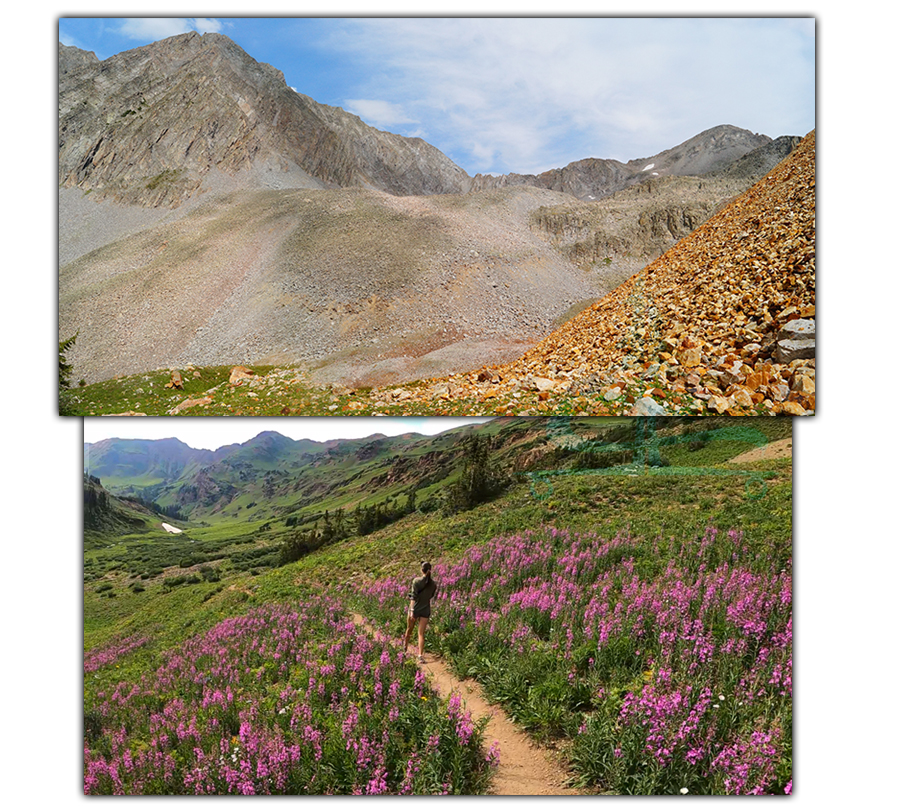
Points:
[(423, 622), (410, 624)]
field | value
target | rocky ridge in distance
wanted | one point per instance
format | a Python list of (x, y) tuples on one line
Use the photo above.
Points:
[(589, 179)]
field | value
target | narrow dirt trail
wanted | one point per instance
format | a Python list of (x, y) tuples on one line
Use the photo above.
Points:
[(524, 769)]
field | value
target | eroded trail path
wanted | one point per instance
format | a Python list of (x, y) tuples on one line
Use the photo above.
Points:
[(524, 768)]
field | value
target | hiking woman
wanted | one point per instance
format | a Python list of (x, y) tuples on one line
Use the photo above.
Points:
[(420, 596)]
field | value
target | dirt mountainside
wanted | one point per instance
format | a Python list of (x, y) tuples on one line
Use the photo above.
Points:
[(723, 321), (301, 276)]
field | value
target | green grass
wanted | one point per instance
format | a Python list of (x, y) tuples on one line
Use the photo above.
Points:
[(165, 177), (171, 587), (647, 504), (292, 394)]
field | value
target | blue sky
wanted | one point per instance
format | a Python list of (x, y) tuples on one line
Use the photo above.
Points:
[(524, 94)]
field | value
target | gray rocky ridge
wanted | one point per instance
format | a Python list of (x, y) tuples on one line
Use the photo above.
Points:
[(149, 125)]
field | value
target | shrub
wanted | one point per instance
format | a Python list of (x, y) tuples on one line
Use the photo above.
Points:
[(209, 573)]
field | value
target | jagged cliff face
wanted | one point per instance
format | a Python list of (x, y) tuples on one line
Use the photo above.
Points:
[(619, 234), (590, 179), (149, 126), (760, 161)]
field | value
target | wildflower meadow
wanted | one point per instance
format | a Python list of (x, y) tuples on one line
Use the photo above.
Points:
[(662, 664), (282, 700)]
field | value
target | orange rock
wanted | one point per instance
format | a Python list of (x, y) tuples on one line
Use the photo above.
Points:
[(239, 375), (790, 407), (803, 385), (190, 403), (756, 379), (690, 357), (719, 404), (742, 398)]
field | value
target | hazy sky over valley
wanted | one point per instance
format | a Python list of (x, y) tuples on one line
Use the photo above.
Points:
[(524, 95), (214, 432)]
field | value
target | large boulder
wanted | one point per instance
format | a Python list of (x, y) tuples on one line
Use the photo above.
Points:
[(796, 339), (791, 349), (239, 375), (647, 407)]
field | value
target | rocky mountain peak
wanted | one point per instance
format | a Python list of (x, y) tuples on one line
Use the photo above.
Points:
[(153, 125)]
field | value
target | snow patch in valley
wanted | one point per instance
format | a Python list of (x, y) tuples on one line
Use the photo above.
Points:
[(173, 529)]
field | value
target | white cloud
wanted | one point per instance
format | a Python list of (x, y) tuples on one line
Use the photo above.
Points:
[(531, 94), (206, 25), (154, 28), (380, 114)]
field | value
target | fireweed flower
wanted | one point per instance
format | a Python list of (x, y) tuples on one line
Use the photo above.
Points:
[(712, 614), (203, 721)]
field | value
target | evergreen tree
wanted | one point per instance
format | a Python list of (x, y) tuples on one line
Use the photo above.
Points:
[(65, 369), (480, 479)]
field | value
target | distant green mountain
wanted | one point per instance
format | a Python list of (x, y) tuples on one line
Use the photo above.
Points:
[(272, 476), (132, 464)]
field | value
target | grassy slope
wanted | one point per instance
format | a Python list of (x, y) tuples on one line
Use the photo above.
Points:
[(591, 500), (219, 580)]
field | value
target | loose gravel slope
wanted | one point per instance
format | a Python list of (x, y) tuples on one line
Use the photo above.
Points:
[(369, 287), (697, 328)]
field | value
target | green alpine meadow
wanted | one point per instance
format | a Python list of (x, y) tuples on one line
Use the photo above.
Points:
[(613, 611)]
